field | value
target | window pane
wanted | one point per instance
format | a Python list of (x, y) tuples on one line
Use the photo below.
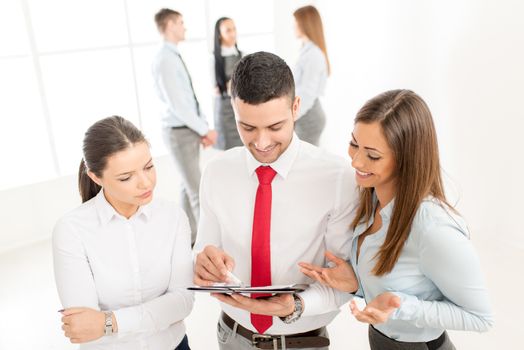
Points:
[(150, 108), (25, 151), (74, 24), (82, 88), (259, 20), (13, 34), (142, 13)]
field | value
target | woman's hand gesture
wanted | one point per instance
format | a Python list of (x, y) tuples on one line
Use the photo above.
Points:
[(341, 276), (377, 310)]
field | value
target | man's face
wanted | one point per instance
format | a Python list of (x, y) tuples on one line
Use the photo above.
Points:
[(266, 129), (177, 28)]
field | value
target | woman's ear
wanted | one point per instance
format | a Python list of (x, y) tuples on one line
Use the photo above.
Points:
[(95, 178)]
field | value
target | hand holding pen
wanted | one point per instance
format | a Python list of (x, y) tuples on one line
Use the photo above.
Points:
[(212, 266)]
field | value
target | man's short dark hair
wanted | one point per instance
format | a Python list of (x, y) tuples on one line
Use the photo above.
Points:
[(163, 16), (261, 77)]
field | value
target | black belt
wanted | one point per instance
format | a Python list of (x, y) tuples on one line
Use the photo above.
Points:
[(432, 344), (179, 127), (436, 343), (311, 339)]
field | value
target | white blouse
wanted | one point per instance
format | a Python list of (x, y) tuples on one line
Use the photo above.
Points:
[(138, 268)]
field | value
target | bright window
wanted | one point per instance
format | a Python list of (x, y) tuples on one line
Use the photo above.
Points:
[(67, 63)]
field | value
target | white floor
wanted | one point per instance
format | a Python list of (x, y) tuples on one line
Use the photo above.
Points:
[(29, 304)]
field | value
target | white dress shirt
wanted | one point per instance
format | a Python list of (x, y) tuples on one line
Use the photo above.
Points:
[(310, 74), (174, 88), (313, 201), (138, 268), (437, 276)]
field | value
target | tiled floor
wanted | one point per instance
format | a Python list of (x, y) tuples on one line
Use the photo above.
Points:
[(29, 304)]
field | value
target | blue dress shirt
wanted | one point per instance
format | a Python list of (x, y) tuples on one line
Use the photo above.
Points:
[(437, 276), (174, 88)]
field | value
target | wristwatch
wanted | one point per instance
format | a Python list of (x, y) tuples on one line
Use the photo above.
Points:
[(108, 323), (295, 315)]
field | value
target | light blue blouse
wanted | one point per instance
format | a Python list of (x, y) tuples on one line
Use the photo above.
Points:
[(437, 276), (310, 75)]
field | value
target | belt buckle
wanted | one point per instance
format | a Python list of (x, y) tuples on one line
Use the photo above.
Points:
[(261, 338)]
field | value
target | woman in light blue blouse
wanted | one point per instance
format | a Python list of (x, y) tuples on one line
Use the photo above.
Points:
[(310, 72), (414, 263)]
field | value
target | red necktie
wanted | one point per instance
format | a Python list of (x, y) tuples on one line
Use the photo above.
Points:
[(260, 243)]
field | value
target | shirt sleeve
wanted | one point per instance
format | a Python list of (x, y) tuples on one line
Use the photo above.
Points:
[(320, 299), (310, 73), (74, 280), (173, 306), (447, 258), (208, 224), (177, 95)]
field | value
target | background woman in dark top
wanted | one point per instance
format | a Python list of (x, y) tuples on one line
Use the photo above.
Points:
[(226, 55)]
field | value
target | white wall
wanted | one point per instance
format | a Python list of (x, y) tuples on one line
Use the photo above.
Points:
[(465, 58), (32, 211)]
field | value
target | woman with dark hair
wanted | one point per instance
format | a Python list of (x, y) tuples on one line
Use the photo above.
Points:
[(415, 265), (311, 72), (226, 55), (122, 259)]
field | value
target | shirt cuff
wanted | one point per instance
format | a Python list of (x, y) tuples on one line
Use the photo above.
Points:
[(128, 319), (409, 307), (202, 129), (315, 301), (312, 302)]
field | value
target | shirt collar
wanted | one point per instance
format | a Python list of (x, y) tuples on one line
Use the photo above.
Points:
[(306, 46), (171, 46), (228, 51), (385, 212), (282, 165), (106, 212)]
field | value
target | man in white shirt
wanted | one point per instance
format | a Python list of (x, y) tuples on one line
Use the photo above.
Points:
[(267, 206), (184, 125)]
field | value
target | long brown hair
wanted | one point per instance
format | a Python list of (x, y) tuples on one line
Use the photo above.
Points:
[(407, 124), (310, 23), (103, 139)]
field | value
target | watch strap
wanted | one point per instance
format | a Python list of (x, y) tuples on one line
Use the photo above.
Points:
[(295, 315), (108, 325)]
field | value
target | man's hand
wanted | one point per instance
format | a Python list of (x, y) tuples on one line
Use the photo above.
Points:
[(211, 266), (209, 139), (341, 276), (280, 305), (82, 324), (377, 310)]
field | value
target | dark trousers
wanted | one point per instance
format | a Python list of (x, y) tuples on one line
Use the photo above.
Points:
[(184, 345), (379, 341)]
